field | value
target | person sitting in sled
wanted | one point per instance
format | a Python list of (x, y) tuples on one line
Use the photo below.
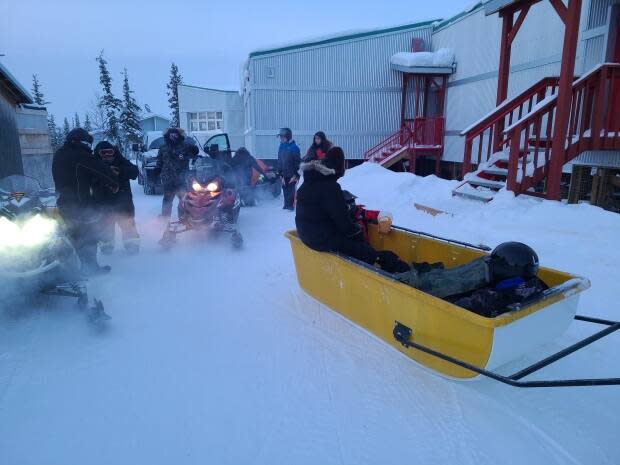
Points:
[(363, 216), (117, 207), (324, 222), (242, 164)]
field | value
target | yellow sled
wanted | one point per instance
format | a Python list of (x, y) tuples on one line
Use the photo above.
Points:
[(450, 340)]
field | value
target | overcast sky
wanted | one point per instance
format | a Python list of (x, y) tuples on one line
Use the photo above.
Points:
[(59, 40)]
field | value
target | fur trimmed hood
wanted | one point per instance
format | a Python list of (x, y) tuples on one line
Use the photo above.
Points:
[(168, 130), (318, 167)]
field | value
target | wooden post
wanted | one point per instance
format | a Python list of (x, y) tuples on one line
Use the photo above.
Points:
[(403, 102), (564, 99), (503, 74)]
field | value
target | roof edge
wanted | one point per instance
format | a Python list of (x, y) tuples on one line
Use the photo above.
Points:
[(18, 88), (353, 36), (457, 17), (209, 88)]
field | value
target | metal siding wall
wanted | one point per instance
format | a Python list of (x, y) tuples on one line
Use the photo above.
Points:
[(10, 151), (597, 15), (594, 29), (346, 89)]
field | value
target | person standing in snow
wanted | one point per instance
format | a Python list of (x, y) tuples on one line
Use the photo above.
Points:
[(242, 163), (118, 208), (324, 221), (319, 148), (76, 172), (289, 158), (173, 164)]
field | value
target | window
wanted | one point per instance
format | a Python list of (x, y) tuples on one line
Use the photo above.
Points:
[(205, 121)]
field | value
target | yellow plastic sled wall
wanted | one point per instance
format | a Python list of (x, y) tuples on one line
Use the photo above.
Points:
[(376, 302)]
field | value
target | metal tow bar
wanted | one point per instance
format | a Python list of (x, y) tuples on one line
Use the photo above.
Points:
[(403, 334)]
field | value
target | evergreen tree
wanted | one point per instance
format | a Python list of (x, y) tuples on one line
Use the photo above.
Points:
[(130, 114), (53, 132), (173, 94), (87, 125), (108, 103), (65, 128), (39, 99), (76, 121)]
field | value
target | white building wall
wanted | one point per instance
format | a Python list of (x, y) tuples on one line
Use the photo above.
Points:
[(344, 88), (199, 99), (475, 38)]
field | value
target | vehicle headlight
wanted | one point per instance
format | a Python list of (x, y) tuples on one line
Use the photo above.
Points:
[(213, 187), (196, 186), (35, 231)]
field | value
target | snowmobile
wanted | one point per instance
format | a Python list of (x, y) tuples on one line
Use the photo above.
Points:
[(211, 203), (36, 255)]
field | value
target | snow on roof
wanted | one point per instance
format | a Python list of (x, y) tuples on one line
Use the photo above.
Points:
[(154, 115), (338, 37), (473, 7), (442, 58), (208, 88)]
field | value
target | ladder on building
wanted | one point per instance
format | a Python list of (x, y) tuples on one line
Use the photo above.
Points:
[(511, 146)]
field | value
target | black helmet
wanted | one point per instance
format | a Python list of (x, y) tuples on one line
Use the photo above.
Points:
[(512, 260), (79, 135), (286, 132)]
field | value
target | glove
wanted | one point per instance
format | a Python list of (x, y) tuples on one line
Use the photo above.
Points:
[(384, 219), (389, 261), (261, 178)]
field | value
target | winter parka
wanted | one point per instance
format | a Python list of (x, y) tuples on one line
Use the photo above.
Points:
[(122, 201), (289, 158), (173, 160)]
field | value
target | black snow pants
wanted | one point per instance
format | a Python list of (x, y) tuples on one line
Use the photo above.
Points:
[(170, 191), (83, 229)]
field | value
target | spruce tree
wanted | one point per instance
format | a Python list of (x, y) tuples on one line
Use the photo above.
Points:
[(87, 125), (173, 94), (76, 121), (65, 129), (108, 103), (53, 132), (130, 114), (39, 98)]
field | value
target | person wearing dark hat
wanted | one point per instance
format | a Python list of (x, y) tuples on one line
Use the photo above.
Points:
[(319, 148), (76, 172), (173, 164), (289, 158), (323, 218), (117, 208), (242, 163)]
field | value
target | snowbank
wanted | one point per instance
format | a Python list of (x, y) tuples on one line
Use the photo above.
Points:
[(444, 57), (581, 239)]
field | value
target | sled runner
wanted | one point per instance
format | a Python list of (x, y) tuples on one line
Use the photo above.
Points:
[(450, 340)]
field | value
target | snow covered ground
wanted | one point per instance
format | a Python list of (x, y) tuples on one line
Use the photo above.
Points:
[(216, 356)]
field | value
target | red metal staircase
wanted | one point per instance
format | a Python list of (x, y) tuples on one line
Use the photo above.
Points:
[(420, 136), (511, 147)]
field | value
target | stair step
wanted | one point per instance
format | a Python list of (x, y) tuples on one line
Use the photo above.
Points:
[(495, 171), (467, 191), (478, 181)]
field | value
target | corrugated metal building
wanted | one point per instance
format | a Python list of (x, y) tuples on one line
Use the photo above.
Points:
[(154, 122), (342, 85), (12, 94)]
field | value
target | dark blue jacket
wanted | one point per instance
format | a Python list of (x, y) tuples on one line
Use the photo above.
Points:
[(289, 158)]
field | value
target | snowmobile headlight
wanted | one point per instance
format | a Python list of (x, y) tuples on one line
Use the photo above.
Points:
[(196, 186), (36, 231), (213, 187)]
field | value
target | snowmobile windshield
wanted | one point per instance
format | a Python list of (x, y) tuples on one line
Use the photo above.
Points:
[(207, 169), (18, 184)]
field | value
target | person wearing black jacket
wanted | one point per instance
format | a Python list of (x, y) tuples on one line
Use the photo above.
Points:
[(117, 208), (173, 164), (242, 163), (76, 172), (323, 219)]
